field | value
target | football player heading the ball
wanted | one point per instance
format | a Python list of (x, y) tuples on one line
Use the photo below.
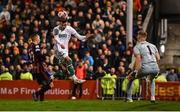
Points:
[(62, 34)]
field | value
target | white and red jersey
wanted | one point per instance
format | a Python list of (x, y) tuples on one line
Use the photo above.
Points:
[(62, 37)]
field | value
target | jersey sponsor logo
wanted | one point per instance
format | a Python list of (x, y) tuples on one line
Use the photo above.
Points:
[(62, 89), (62, 35)]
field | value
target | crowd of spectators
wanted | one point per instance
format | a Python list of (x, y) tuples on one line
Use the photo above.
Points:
[(107, 51)]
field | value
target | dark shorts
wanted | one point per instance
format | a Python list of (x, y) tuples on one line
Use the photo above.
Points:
[(41, 74), (144, 75)]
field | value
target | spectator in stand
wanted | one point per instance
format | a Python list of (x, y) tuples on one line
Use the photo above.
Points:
[(50, 69), (98, 23), (89, 58), (16, 56), (1, 6), (2, 47), (12, 71), (120, 47), (172, 75), (130, 47), (17, 21), (113, 72), (75, 60), (20, 44), (106, 64), (90, 73), (25, 56), (18, 70), (25, 74), (5, 75), (7, 62), (60, 73), (121, 72), (99, 73), (128, 56), (99, 59), (74, 46), (137, 7), (14, 32), (5, 15), (81, 19), (80, 72), (70, 3), (89, 17), (110, 46), (116, 59), (105, 48), (53, 18), (73, 16), (12, 42), (2, 69)]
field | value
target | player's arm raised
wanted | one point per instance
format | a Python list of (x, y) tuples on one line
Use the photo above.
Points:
[(80, 37)]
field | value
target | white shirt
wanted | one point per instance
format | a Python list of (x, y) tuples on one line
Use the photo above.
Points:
[(147, 51), (62, 37)]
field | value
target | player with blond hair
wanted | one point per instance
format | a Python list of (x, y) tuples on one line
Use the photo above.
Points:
[(145, 63), (40, 64)]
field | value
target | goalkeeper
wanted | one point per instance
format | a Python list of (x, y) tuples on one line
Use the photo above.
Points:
[(146, 58)]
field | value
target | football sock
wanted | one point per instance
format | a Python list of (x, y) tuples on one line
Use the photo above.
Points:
[(70, 67), (129, 89), (152, 87)]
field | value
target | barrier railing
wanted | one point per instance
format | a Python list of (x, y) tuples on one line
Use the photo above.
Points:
[(118, 92)]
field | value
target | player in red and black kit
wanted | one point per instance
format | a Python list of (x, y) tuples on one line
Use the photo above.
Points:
[(40, 69)]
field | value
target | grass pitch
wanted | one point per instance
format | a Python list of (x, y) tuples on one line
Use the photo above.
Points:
[(87, 105)]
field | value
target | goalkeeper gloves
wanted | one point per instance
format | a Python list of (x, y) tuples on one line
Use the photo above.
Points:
[(131, 74)]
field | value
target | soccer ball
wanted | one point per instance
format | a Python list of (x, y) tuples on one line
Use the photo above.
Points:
[(63, 16)]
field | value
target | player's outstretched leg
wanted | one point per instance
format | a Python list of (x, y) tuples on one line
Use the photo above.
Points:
[(72, 73)]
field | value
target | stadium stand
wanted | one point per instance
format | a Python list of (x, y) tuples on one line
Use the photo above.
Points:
[(106, 19)]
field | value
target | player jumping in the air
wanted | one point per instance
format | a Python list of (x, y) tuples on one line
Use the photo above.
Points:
[(146, 59), (40, 62), (62, 34)]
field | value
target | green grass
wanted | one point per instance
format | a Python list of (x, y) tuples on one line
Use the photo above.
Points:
[(87, 105)]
